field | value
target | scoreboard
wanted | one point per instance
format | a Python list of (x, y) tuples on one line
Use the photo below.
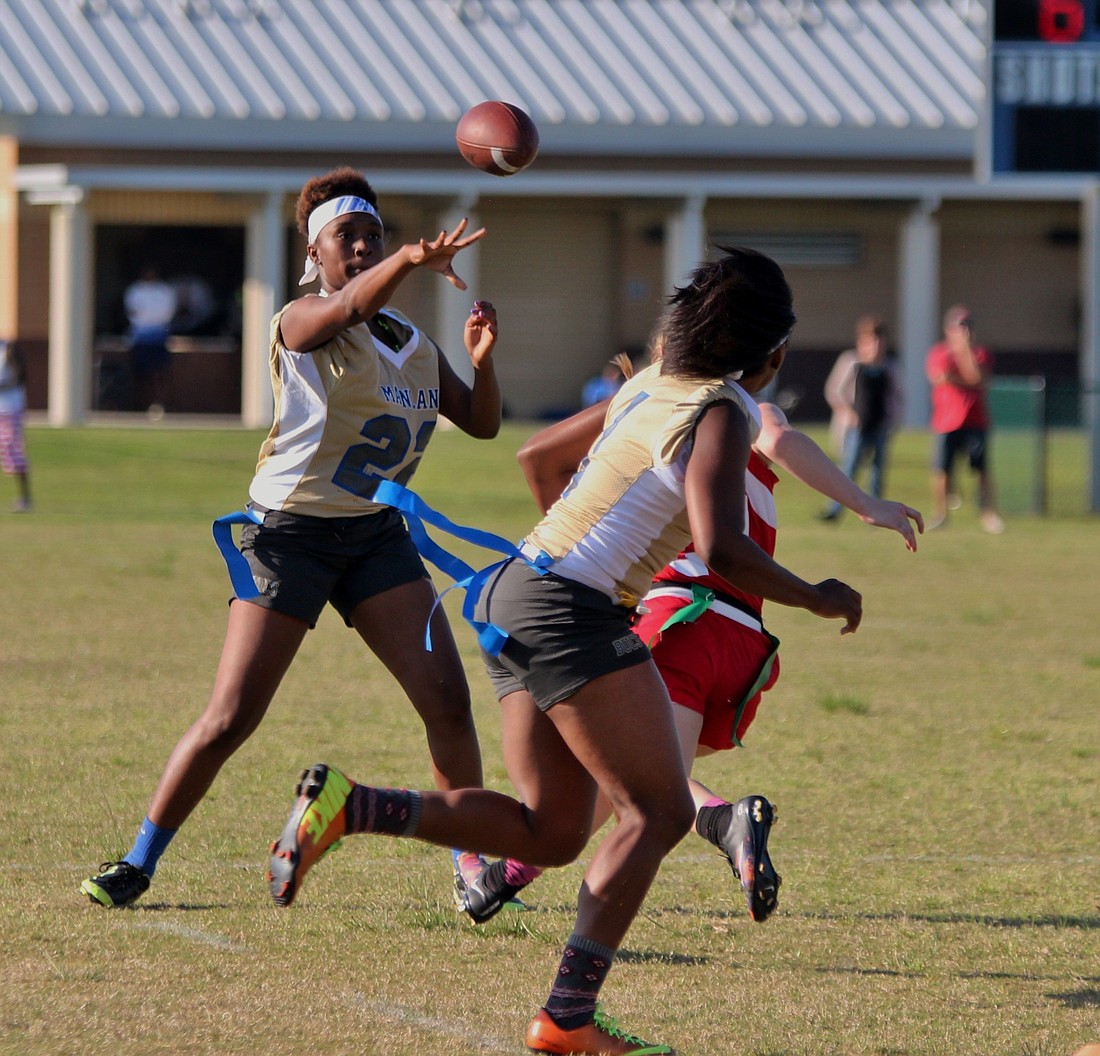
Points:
[(1044, 86)]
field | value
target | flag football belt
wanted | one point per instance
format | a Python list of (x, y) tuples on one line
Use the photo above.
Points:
[(701, 599), (240, 573), (416, 513)]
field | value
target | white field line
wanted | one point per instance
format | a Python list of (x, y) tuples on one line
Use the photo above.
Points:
[(450, 1028), (378, 1010), (207, 938)]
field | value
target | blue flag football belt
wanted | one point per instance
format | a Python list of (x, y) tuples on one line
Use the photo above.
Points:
[(240, 574), (416, 513)]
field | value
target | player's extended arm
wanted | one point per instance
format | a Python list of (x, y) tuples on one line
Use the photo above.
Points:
[(714, 492), (794, 451), (551, 457), (310, 321)]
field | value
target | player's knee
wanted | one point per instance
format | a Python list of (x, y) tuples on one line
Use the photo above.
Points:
[(659, 826), (562, 849), (226, 730), (561, 844), (444, 707), (669, 823), (673, 821), (454, 727)]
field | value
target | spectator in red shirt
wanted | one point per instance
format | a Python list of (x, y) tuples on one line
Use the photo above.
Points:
[(959, 371)]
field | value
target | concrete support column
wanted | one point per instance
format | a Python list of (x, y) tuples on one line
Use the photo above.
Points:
[(264, 283), (918, 304), (685, 241), (70, 318), (9, 237), (452, 305), (1090, 333)]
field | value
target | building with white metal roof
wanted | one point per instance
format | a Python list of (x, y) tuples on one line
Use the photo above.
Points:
[(714, 78)]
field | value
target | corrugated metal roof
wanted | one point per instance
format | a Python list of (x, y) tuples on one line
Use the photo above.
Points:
[(706, 75)]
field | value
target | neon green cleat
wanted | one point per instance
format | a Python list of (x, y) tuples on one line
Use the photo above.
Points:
[(316, 824), (117, 885)]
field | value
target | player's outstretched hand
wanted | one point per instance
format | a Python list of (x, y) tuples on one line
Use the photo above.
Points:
[(838, 601), (480, 334), (882, 513), (439, 253)]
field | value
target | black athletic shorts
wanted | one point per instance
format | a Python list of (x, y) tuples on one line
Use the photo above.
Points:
[(299, 563), (562, 634), (948, 446)]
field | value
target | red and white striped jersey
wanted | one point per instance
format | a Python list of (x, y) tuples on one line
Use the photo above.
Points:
[(761, 523)]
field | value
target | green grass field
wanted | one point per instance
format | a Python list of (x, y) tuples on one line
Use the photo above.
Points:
[(937, 777)]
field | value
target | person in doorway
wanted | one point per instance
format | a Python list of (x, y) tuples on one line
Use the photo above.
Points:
[(358, 389), (959, 370), (584, 709), (150, 304)]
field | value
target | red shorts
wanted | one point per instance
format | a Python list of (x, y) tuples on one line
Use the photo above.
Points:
[(708, 666)]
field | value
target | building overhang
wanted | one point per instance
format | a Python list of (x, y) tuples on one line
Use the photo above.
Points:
[(59, 183)]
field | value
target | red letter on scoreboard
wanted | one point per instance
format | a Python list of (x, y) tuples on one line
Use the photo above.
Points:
[(1061, 21)]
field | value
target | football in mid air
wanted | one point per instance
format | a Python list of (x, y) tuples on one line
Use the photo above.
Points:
[(498, 138)]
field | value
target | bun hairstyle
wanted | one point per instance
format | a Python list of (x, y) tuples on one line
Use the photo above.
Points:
[(733, 314), (341, 181)]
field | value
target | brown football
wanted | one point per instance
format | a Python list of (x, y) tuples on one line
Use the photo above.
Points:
[(497, 138)]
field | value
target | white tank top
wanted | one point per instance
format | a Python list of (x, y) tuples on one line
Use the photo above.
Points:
[(346, 412), (623, 516)]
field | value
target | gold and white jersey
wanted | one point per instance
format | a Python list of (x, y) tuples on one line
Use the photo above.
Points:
[(346, 413), (623, 516)]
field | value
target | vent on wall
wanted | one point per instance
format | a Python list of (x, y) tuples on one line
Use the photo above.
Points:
[(813, 250)]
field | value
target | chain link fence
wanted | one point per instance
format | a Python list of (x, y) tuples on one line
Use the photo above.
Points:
[(1041, 445)]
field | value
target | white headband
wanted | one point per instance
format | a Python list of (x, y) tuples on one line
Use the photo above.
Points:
[(323, 215)]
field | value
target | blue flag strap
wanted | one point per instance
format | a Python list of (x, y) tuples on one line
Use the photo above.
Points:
[(401, 498), (416, 511), (240, 574), (458, 570)]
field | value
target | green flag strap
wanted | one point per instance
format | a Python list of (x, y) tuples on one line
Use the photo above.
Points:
[(702, 599), (761, 681)]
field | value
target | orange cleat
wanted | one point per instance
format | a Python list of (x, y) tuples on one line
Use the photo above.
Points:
[(317, 822), (602, 1036)]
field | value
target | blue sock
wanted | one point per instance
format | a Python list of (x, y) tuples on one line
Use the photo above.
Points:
[(152, 841)]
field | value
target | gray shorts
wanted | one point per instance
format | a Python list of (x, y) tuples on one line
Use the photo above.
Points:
[(562, 634), (300, 563)]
